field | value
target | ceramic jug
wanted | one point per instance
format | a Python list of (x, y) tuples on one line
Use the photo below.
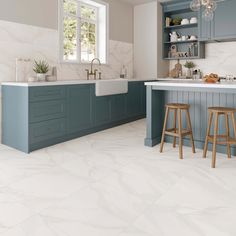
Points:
[(173, 36)]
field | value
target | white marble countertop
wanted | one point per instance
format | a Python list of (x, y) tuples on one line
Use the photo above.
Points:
[(184, 83), (61, 82)]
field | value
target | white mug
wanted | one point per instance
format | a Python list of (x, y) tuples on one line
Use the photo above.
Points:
[(193, 37), (193, 20), (185, 22)]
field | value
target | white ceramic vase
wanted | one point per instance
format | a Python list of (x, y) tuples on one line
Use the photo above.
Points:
[(189, 73), (41, 77)]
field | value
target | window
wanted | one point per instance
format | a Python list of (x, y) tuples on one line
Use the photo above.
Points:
[(84, 30)]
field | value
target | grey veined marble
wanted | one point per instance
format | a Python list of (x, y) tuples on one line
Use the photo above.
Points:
[(110, 184)]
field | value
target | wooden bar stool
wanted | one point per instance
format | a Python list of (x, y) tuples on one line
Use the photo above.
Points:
[(179, 132), (216, 138)]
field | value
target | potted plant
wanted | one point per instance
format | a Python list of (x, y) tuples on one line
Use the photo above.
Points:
[(41, 68), (177, 20), (189, 65)]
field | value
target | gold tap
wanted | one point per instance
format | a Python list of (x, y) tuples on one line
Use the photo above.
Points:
[(94, 72)]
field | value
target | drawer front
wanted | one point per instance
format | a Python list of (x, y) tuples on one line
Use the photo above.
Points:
[(47, 93), (42, 111), (47, 130)]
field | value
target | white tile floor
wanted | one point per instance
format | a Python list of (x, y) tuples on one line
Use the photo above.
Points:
[(109, 184)]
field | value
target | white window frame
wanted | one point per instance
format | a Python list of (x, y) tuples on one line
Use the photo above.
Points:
[(79, 19)]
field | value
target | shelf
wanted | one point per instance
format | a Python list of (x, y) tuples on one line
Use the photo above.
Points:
[(186, 41), (181, 58), (181, 26)]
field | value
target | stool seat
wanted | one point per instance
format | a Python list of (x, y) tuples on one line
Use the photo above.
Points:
[(216, 138), (178, 106), (221, 110), (179, 132)]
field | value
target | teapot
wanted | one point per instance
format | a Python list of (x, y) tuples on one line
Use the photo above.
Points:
[(174, 36)]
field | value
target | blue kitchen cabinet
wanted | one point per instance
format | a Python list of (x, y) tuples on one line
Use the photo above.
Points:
[(47, 110), (102, 109), (144, 94), (204, 29), (135, 99), (222, 27), (118, 107), (80, 107), (46, 131), (46, 93), (37, 117)]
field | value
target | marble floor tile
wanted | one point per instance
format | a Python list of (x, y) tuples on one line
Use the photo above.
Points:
[(110, 184)]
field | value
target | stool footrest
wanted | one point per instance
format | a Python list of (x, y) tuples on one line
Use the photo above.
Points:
[(222, 139), (174, 132)]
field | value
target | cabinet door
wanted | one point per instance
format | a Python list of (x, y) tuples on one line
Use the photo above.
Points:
[(134, 99), (80, 103), (118, 107), (102, 110), (204, 27), (47, 130), (143, 99), (223, 25), (46, 110)]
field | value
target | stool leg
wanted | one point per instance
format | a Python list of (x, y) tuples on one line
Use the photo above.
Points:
[(214, 141), (207, 134), (228, 135), (174, 125), (234, 124), (164, 129), (190, 128), (180, 134)]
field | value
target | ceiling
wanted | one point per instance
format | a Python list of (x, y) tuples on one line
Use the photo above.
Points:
[(136, 2)]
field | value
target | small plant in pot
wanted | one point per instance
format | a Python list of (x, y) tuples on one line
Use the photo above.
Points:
[(177, 20), (41, 68), (189, 65)]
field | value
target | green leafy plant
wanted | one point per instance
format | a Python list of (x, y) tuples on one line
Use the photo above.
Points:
[(177, 20), (189, 65), (41, 67)]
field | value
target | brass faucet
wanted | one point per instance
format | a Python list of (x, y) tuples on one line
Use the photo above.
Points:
[(94, 72)]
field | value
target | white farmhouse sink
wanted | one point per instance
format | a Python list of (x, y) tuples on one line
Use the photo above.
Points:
[(111, 87)]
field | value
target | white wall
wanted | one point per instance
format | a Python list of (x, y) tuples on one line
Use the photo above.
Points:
[(148, 61), (44, 13)]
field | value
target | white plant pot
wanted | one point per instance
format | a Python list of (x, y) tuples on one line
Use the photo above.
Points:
[(41, 77), (189, 73)]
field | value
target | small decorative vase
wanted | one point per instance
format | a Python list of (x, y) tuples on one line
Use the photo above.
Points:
[(189, 74), (41, 77)]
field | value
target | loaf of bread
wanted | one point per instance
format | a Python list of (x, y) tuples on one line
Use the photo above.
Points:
[(212, 78)]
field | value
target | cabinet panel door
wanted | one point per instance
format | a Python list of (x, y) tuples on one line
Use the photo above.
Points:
[(47, 130), (204, 28), (118, 107), (223, 25), (47, 110), (46, 93), (144, 99), (134, 99), (102, 110), (80, 103)]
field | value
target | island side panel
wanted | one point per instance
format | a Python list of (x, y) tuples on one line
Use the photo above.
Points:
[(155, 116), (15, 120)]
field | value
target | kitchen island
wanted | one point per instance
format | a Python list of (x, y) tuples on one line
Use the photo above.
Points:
[(199, 95)]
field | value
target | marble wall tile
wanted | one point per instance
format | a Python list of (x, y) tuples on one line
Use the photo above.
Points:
[(25, 41), (220, 59)]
